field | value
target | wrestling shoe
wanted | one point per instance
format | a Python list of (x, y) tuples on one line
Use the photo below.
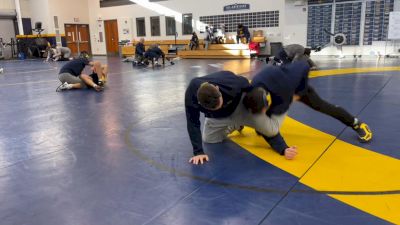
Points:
[(240, 129), (363, 131)]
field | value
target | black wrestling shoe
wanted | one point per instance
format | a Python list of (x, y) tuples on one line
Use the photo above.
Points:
[(240, 128)]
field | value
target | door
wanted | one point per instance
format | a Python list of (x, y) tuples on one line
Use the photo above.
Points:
[(78, 38), (7, 31), (111, 30), (84, 38), (71, 38)]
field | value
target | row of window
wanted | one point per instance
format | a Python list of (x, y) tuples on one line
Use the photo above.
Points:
[(230, 21), (251, 20), (170, 25)]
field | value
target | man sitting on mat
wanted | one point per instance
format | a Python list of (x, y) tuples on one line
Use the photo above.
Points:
[(71, 75)]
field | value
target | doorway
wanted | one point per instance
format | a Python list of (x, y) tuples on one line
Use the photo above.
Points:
[(111, 30), (7, 31), (78, 38)]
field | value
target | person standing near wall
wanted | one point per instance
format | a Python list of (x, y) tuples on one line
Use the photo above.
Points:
[(242, 32), (209, 37)]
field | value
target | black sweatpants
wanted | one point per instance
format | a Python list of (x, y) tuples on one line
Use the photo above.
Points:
[(282, 57), (312, 99)]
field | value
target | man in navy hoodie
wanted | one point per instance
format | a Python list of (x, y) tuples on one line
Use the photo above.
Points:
[(286, 84), (282, 84), (220, 97), (295, 52), (242, 32), (139, 51)]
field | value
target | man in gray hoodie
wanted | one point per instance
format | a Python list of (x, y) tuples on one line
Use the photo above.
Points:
[(293, 53)]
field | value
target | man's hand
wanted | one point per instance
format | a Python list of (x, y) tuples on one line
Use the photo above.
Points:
[(98, 87), (199, 159), (290, 152), (296, 97)]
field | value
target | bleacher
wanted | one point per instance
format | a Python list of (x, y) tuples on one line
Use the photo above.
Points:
[(229, 50), (218, 51)]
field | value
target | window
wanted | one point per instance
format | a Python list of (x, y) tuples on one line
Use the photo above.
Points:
[(170, 25), (251, 20), (111, 3), (187, 23), (155, 26), (140, 27)]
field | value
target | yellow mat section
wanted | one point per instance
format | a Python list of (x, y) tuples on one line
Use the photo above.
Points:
[(344, 167), (320, 73), (310, 142)]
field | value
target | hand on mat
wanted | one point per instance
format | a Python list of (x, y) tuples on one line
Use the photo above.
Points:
[(199, 159), (98, 87), (290, 152)]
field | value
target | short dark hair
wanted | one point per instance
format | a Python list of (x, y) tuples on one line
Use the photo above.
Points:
[(256, 100), (307, 51), (208, 96)]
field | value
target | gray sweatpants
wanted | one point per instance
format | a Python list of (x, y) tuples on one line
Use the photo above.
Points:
[(71, 79), (64, 51), (216, 130)]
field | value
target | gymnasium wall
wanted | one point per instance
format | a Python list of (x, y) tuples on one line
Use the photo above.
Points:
[(7, 4), (68, 12), (292, 21), (127, 15), (297, 13), (39, 10), (71, 11), (10, 5)]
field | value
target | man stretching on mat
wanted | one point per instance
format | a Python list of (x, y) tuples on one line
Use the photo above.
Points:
[(71, 76), (278, 81), (220, 97), (295, 52), (154, 53)]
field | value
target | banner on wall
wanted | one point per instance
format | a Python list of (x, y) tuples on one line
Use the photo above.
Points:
[(236, 6)]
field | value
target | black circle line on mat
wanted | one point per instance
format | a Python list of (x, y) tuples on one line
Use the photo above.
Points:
[(171, 170)]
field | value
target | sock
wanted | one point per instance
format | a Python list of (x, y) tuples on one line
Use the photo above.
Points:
[(69, 86), (355, 121)]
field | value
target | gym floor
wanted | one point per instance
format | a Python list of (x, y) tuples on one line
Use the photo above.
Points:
[(121, 156)]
